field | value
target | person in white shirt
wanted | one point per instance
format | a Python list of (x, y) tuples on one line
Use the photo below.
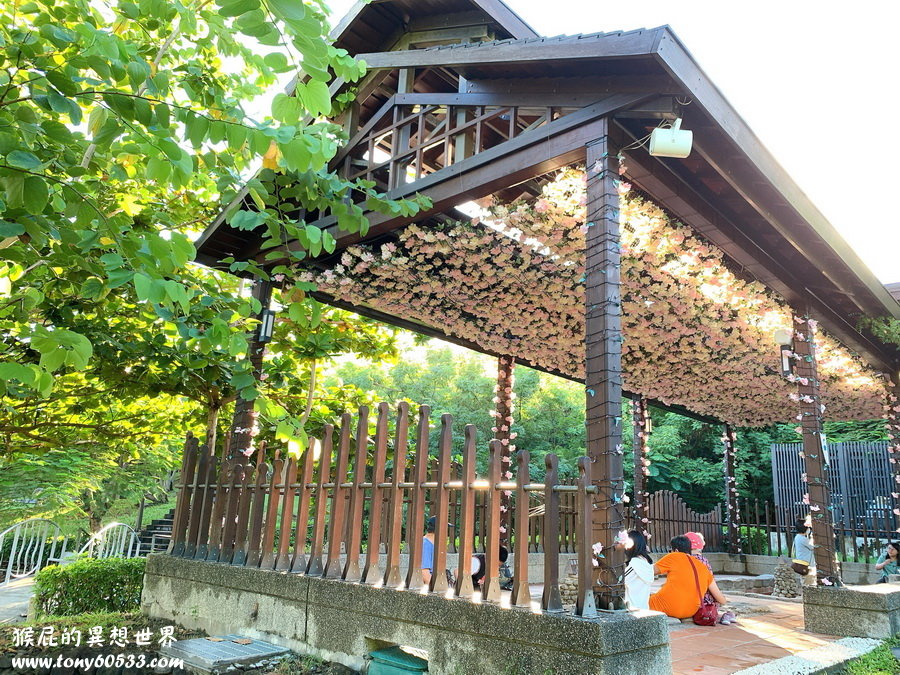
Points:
[(638, 569)]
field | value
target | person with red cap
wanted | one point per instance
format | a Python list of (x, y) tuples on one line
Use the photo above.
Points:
[(698, 543)]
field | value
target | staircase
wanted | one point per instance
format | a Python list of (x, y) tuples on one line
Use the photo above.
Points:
[(156, 536)]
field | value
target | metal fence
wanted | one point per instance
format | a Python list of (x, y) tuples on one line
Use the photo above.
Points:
[(861, 483)]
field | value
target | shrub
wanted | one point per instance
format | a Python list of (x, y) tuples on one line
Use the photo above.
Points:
[(754, 540), (90, 586)]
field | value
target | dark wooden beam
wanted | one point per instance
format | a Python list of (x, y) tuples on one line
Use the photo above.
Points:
[(508, 19), (454, 20), (592, 84), (603, 360), (613, 45)]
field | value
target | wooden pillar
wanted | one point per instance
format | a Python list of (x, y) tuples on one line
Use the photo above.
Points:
[(892, 418), (503, 432), (814, 460), (244, 424), (603, 363), (641, 427), (731, 509)]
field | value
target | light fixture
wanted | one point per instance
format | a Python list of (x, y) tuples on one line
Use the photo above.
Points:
[(672, 141), (785, 338), (266, 325)]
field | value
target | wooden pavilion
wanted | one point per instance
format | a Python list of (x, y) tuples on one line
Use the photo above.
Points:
[(465, 103)]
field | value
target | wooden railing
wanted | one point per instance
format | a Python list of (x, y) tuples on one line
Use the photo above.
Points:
[(414, 135), (316, 516)]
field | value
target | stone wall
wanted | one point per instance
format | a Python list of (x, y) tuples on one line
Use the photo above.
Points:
[(342, 621), (864, 611)]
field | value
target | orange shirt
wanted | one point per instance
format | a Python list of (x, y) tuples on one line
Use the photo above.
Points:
[(678, 597)]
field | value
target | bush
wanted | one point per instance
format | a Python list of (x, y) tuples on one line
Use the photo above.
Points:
[(754, 540), (90, 586)]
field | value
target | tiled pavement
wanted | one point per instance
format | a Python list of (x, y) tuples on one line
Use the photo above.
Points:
[(766, 630)]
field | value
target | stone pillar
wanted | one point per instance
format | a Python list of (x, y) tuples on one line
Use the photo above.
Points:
[(892, 420), (244, 424), (814, 461), (603, 363), (731, 510), (503, 433), (640, 415)]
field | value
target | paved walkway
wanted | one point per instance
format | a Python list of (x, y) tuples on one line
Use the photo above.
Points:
[(767, 629), (14, 598)]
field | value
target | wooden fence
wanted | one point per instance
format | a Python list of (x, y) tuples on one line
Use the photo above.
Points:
[(320, 517)]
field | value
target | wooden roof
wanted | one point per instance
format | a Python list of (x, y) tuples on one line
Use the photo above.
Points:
[(730, 189)]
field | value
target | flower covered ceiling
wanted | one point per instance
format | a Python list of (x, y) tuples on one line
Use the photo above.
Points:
[(694, 333)]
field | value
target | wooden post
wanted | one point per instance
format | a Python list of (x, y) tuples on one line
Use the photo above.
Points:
[(892, 418), (503, 419), (805, 374), (352, 570), (641, 426), (438, 576), (490, 589), (244, 423), (239, 557), (209, 493), (298, 561), (585, 604), (415, 519), (183, 503), (731, 511), (464, 588), (395, 519), (551, 600), (190, 545), (283, 561), (333, 567), (373, 572), (315, 566), (268, 540), (521, 596), (603, 365), (257, 511)]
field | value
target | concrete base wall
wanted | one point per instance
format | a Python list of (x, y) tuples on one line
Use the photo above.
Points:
[(863, 611), (342, 621)]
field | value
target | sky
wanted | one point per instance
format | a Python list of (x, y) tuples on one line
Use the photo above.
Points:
[(809, 78)]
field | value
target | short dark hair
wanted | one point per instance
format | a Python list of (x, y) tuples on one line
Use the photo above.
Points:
[(431, 524), (800, 526), (681, 543)]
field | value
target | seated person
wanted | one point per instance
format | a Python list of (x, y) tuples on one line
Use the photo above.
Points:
[(679, 597), (479, 566), (428, 551)]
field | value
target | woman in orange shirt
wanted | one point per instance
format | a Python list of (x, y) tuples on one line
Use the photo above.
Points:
[(679, 597)]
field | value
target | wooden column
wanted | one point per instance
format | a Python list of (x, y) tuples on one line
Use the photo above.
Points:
[(641, 427), (503, 433), (816, 469), (731, 509), (244, 424), (892, 418), (603, 363)]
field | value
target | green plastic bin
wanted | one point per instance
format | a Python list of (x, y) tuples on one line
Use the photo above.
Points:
[(395, 661)]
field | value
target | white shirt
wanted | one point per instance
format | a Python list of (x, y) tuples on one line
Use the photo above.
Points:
[(638, 579)]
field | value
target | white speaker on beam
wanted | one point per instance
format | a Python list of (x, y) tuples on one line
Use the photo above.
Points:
[(672, 141)]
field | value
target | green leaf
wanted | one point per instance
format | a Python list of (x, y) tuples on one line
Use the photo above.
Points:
[(315, 96), (23, 160), (35, 194), (247, 220), (158, 169), (16, 371), (142, 284), (8, 229), (197, 129), (288, 10)]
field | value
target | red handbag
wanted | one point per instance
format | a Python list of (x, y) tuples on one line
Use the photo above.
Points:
[(708, 614)]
